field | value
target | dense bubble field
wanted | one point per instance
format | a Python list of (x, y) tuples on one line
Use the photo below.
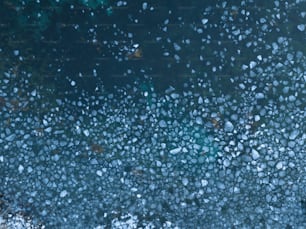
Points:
[(195, 155)]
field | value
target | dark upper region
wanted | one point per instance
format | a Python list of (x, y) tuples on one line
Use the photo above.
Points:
[(72, 42)]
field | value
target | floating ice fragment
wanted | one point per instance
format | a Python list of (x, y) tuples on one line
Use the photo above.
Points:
[(177, 47), (252, 64), (33, 93), (294, 134), (301, 27), (244, 67), (30, 169), (10, 137), (257, 118), (220, 185), (175, 96), (279, 165), (144, 5), (176, 150), (185, 181), (48, 130), (72, 83), (99, 173), (200, 100), (86, 133), (255, 154), (204, 182), (162, 123), (228, 127), (259, 95), (20, 168), (63, 193), (45, 122), (226, 162), (199, 120), (204, 21)]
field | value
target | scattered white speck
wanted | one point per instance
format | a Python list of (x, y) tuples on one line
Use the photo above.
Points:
[(99, 173)]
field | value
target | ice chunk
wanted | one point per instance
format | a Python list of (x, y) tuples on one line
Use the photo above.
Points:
[(162, 123), (144, 5), (204, 182), (177, 47), (294, 134), (20, 168), (228, 127), (259, 95), (185, 181), (99, 173), (10, 137), (279, 165), (252, 64), (301, 27), (86, 133), (199, 120), (176, 150), (256, 118), (200, 100), (63, 193), (204, 21), (255, 154)]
